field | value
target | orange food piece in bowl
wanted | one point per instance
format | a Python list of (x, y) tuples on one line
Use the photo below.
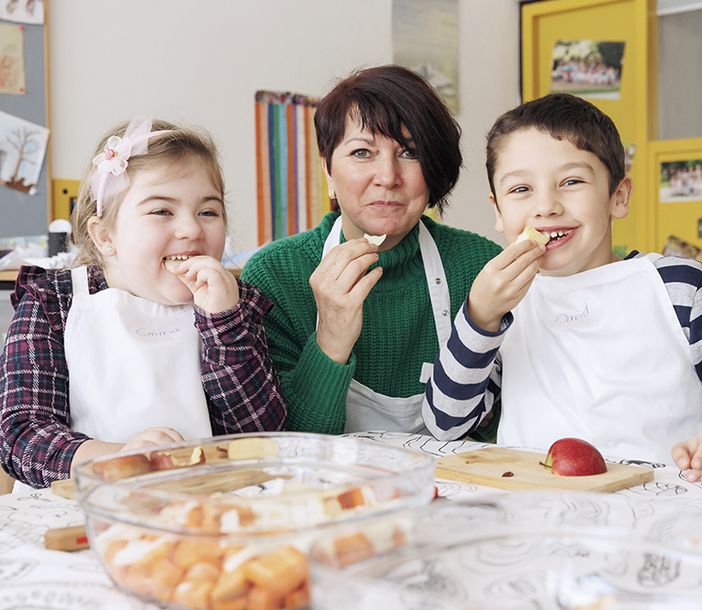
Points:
[(165, 577), (231, 585), (299, 598), (239, 603), (194, 595), (203, 572), (353, 548), (189, 552), (280, 571), (261, 598), (351, 498)]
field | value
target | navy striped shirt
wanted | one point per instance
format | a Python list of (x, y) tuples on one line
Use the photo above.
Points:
[(455, 404)]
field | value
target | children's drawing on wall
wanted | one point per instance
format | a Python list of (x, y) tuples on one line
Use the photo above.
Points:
[(587, 68), (681, 181), (22, 150), (22, 11), (425, 39), (11, 59)]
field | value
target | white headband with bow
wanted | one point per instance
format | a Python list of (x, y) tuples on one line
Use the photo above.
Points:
[(110, 176)]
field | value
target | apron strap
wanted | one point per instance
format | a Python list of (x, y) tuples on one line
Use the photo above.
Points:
[(436, 285), (79, 277)]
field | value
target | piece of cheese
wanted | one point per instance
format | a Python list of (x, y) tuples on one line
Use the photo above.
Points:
[(376, 240), (536, 236)]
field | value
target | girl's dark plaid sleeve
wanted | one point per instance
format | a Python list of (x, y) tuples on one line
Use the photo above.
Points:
[(36, 442), (237, 372)]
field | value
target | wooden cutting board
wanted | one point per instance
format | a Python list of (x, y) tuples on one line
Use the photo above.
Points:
[(490, 467)]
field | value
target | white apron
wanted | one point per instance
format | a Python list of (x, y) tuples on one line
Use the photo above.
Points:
[(600, 355), (369, 410), (133, 364)]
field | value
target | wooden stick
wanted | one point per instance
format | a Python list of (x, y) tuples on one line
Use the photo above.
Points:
[(73, 538)]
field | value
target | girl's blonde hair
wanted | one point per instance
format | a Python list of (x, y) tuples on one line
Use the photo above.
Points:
[(177, 145)]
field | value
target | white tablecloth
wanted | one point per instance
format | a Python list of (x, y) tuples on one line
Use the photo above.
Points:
[(33, 577)]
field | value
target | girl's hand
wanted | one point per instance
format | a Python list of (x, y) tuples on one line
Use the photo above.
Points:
[(151, 437), (340, 285), (688, 456), (502, 283), (214, 288)]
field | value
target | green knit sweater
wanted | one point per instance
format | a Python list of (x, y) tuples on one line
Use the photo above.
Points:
[(398, 333)]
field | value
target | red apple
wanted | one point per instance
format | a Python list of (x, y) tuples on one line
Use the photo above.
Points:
[(167, 460), (122, 467), (574, 457)]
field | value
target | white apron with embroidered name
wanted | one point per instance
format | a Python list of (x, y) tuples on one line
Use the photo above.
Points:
[(366, 409), (600, 355), (133, 364)]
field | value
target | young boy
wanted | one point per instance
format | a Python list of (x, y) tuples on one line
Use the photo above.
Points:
[(575, 341)]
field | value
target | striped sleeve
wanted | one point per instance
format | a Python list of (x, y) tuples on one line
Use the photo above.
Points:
[(466, 378), (682, 278)]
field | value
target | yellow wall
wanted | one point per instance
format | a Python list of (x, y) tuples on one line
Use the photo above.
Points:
[(628, 21)]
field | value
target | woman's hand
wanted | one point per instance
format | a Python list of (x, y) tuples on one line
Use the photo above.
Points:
[(214, 288), (340, 285), (502, 283), (688, 456)]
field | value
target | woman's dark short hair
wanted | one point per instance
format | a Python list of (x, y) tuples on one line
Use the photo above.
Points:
[(562, 115), (384, 99)]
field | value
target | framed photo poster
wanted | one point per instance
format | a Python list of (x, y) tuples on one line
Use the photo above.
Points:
[(600, 50), (675, 180)]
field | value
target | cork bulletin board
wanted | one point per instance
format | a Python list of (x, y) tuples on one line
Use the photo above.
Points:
[(22, 213)]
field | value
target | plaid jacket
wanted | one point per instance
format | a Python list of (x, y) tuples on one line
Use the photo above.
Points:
[(36, 441)]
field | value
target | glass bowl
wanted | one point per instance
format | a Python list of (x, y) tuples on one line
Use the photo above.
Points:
[(575, 551), (225, 523)]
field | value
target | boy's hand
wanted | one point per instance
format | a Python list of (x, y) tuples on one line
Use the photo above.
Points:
[(214, 288), (502, 283), (688, 456)]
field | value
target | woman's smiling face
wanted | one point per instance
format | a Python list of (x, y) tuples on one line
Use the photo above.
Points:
[(378, 183)]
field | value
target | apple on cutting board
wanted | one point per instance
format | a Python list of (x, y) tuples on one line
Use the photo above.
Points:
[(574, 457)]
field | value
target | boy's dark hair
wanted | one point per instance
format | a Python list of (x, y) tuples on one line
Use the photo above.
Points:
[(563, 116), (384, 99)]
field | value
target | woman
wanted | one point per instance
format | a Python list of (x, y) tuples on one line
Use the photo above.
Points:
[(355, 325)]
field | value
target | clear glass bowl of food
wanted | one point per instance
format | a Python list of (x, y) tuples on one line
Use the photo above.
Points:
[(226, 523), (551, 551)]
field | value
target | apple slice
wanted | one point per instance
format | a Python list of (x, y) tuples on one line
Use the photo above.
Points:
[(536, 236), (376, 240), (574, 457), (168, 460), (122, 467)]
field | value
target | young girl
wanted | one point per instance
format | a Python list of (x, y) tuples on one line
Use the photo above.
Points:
[(148, 340)]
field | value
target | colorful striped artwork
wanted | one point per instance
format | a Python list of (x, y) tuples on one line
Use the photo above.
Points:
[(290, 186)]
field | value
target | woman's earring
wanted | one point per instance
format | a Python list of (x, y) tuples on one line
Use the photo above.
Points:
[(108, 249), (331, 193)]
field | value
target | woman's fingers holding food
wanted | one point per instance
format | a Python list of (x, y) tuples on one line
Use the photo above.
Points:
[(339, 258)]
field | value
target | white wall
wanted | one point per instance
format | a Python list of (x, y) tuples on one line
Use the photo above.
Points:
[(201, 63)]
